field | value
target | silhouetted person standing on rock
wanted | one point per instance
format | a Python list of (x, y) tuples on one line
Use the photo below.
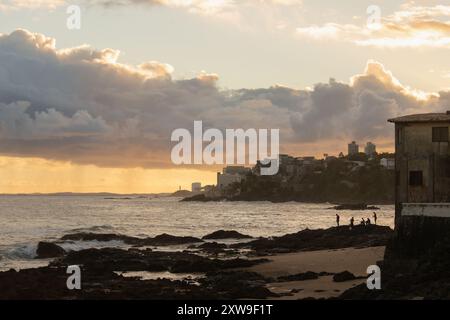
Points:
[(368, 222), (363, 222), (337, 219), (375, 217), (352, 222)]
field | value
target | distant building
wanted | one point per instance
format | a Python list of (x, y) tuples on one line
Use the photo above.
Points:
[(224, 180), (196, 187), (353, 148), (240, 170), (230, 175), (286, 160), (422, 165), (308, 160), (370, 150), (388, 163)]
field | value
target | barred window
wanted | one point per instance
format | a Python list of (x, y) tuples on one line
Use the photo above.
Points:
[(416, 178), (440, 134)]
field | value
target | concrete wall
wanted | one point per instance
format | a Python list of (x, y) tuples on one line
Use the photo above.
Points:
[(196, 187), (415, 151), (418, 236), (441, 210), (422, 224)]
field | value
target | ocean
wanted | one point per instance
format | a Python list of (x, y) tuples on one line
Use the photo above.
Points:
[(26, 220)]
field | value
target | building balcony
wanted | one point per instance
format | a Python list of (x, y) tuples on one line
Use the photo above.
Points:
[(441, 210)]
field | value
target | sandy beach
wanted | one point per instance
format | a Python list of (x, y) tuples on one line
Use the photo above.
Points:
[(353, 260)]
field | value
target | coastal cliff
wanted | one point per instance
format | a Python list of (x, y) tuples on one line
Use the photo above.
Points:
[(338, 182)]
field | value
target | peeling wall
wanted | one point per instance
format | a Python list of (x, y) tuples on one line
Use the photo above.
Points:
[(416, 151)]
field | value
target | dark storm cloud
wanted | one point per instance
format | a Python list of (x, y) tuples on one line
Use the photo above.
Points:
[(81, 105)]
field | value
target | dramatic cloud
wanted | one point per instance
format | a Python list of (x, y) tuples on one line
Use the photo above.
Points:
[(83, 105), (16, 123), (412, 26)]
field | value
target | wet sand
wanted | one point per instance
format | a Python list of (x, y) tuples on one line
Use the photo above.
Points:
[(354, 260)]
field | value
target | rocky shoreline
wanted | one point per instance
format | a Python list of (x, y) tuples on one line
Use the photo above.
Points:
[(219, 268), (287, 198), (333, 238)]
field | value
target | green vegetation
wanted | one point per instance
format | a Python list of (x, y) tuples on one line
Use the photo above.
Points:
[(336, 180)]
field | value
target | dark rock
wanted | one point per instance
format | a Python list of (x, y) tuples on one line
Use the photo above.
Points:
[(201, 198), (103, 283), (296, 290), (103, 237), (309, 275), (222, 234), (332, 238), (343, 276), (239, 285), (167, 240), (212, 245), (359, 292), (355, 206), (49, 250), (112, 259), (182, 193), (160, 240), (324, 273), (213, 248)]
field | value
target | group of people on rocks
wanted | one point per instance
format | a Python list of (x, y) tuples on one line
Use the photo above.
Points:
[(364, 222)]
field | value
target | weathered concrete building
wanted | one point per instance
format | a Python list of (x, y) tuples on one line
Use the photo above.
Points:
[(422, 160), (422, 215), (388, 163), (353, 148), (196, 187), (230, 175), (370, 149)]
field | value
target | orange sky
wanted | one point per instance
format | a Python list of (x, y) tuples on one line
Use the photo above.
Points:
[(36, 175), (30, 175)]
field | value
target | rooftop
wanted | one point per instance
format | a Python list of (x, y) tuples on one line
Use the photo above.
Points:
[(423, 117)]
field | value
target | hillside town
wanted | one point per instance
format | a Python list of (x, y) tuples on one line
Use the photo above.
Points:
[(307, 178)]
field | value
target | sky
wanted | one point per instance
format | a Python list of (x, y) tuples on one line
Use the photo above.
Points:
[(92, 109)]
